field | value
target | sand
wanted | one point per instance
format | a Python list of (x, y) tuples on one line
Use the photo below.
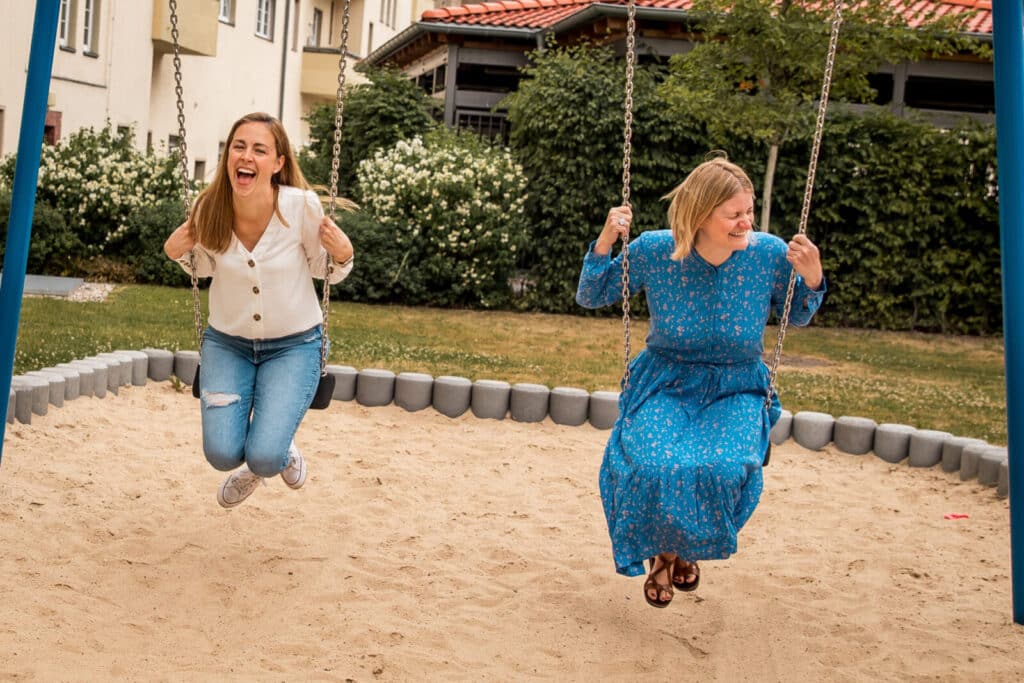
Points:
[(430, 548)]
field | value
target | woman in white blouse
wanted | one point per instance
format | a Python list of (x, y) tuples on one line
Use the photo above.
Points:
[(261, 234)]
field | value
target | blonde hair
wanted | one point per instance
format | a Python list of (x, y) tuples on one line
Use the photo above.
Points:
[(213, 215), (692, 201)]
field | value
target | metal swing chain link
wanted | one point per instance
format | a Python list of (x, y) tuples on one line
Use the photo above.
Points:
[(335, 163), (627, 148), (197, 314), (826, 83)]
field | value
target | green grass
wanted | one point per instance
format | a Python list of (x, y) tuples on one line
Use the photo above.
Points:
[(956, 384)]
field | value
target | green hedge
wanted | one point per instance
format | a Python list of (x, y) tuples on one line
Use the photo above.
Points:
[(905, 213)]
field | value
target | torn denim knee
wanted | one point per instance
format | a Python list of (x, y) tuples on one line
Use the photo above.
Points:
[(219, 399)]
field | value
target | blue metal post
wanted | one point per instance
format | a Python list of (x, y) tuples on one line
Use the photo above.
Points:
[(1008, 36), (23, 194)]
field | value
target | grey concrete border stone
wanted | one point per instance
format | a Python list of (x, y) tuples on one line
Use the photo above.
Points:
[(344, 381), (113, 367), (452, 395), (159, 364), (56, 382), (953, 448), (926, 447), (72, 381), (185, 364), (124, 366), (140, 366), (854, 435), (375, 387), (94, 375), (988, 465), (529, 402), (603, 410), (24, 397), (413, 390), (782, 429), (568, 406), (38, 394), (1003, 485), (892, 441), (969, 460), (813, 430), (490, 399), (12, 403)]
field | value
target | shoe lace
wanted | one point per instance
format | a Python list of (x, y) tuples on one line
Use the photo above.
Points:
[(244, 483)]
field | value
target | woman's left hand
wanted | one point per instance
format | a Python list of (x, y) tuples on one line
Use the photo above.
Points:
[(335, 241), (804, 257)]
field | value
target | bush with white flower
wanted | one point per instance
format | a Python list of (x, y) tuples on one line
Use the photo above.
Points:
[(97, 180), (452, 205)]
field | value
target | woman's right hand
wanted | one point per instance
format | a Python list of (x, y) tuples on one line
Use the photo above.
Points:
[(616, 227), (180, 242)]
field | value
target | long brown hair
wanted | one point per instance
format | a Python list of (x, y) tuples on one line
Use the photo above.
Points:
[(213, 214), (693, 200)]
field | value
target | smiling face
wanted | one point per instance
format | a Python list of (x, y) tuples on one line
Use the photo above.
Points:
[(727, 229), (252, 158)]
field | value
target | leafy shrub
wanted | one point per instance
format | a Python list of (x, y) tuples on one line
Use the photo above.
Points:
[(376, 115), (142, 243), (52, 244), (567, 132), (96, 180), (453, 204)]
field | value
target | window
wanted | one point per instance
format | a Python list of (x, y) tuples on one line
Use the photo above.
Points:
[(315, 28), (64, 24), (265, 19), (388, 9), (173, 143), (227, 11), (90, 27), (199, 173)]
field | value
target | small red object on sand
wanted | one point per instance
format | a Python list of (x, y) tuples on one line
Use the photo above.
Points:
[(954, 515)]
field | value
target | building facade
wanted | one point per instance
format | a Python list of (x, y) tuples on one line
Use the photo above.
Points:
[(114, 61)]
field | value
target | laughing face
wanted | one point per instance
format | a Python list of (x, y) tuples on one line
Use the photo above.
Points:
[(253, 158), (727, 229)]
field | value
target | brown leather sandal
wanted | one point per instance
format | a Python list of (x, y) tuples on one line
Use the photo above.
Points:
[(659, 588), (680, 570)]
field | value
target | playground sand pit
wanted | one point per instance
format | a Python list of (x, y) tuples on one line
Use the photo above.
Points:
[(429, 548)]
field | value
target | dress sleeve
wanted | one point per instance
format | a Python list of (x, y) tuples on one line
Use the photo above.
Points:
[(316, 255), (205, 263), (601, 278), (806, 301)]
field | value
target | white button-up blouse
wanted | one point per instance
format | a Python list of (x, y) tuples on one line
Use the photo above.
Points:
[(268, 292)]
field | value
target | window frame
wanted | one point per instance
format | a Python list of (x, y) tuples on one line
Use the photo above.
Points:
[(265, 19), (90, 27), (226, 12)]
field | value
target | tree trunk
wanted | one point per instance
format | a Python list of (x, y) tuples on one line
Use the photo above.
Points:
[(769, 182)]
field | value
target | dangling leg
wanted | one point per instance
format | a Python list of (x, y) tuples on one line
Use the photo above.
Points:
[(286, 379), (226, 401)]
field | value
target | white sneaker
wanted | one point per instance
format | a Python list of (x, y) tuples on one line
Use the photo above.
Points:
[(237, 487), (294, 474)]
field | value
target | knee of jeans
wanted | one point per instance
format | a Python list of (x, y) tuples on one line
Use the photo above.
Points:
[(265, 464), (222, 460), (218, 399)]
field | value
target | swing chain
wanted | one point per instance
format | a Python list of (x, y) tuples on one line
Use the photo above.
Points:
[(826, 83), (627, 148), (335, 163), (179, 91)]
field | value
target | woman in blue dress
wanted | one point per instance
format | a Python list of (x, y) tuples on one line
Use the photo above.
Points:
[(682, 469)]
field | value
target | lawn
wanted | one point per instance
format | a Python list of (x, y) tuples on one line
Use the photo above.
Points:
[(956, 384)]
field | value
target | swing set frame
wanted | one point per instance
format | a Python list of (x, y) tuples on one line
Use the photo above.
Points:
[(1008, 39)]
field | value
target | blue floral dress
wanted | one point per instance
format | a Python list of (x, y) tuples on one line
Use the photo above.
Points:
[(682, 468)]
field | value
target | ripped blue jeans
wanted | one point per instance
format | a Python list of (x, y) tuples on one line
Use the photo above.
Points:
[(255, 393)]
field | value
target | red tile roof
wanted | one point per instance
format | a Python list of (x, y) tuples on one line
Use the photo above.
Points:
[(544, 13)]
